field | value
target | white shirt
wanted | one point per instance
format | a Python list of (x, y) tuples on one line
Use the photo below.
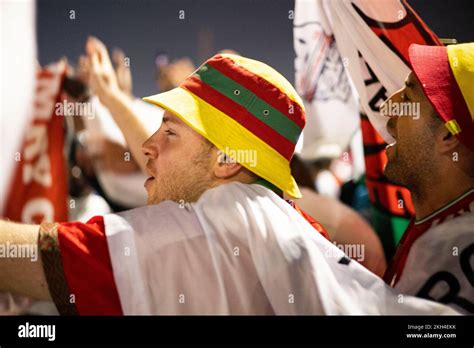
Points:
[(440, 262)]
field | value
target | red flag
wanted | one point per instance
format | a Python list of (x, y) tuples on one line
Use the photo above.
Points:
[(38, 190)]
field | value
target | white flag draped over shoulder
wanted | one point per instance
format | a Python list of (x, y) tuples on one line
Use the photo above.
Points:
[(239, 250), (332, 114)]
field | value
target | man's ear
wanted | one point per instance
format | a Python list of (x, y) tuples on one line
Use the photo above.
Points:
[(446, 142), (225, 167)]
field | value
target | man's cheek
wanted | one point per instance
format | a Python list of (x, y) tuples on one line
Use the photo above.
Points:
[(400, 146)]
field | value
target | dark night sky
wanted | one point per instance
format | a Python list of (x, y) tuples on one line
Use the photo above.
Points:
[(258, 29)]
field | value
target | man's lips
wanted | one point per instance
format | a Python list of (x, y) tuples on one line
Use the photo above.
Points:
[(149, 168), (148, 181), (390, 147), (393, 135), (391, 129), (150, 173)]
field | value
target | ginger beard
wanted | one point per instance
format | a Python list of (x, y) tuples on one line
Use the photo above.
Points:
[(180, 163), (182, 182)]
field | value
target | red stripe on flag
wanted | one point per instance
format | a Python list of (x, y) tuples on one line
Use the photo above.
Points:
[(241, 115), (260, 87), (87, 267)]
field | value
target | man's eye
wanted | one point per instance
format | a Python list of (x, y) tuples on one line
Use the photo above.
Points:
[(169, 132)]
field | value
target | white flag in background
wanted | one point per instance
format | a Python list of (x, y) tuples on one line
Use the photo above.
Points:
[(17, 64), (332, 115)]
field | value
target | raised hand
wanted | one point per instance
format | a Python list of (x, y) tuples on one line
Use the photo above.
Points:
[(122, 71), (102, 78)]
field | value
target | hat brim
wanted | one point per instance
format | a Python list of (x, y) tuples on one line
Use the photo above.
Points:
[(229, 136)]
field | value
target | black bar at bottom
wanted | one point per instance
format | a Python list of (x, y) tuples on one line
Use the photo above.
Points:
[(239, 329)]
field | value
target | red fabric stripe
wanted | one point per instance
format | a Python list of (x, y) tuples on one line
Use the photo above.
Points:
[(370, 136), (241, 115), (313, 222), (87, 267), (263, 89), (395, 269)]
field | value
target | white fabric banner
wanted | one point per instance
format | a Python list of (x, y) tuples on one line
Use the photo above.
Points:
[(17, 64), (240, 249), (332, 114)]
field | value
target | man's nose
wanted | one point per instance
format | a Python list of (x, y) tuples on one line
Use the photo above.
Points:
[(149, 148), (386, 106)]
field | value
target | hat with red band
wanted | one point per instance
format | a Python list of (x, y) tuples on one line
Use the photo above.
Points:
[(446, 75), (242, 105)]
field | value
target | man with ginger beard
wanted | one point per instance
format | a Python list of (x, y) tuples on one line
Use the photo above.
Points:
[(434, 158), (217, 237)]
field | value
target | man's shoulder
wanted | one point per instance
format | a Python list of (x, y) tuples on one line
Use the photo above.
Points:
[(228, 200), (453, 231), (239, 196), (456, 224), (237, 190), (167, 220)]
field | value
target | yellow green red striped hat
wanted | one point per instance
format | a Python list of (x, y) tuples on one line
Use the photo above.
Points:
[(239, 104), (446, 75)]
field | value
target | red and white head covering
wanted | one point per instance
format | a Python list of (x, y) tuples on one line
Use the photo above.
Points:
[(446, 75)]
